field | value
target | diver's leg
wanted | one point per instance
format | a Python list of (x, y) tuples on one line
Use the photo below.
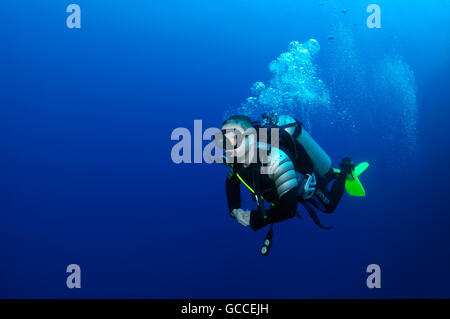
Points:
[(329, 199), (331, 175), (322, 197), (337, 190)]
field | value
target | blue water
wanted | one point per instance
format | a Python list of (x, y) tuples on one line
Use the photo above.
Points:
[(86, 175)]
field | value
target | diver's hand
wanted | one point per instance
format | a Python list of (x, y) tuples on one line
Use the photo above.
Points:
[(242, 216)]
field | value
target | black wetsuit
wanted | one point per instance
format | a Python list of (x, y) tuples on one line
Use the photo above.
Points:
[(286, 206), (327, 200)]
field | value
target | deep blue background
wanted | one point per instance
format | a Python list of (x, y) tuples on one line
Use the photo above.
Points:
[(86, 175)]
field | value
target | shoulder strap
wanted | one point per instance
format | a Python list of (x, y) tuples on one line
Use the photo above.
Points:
[(293, 147)]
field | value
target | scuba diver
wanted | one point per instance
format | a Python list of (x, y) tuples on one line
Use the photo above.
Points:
[(281, 164)]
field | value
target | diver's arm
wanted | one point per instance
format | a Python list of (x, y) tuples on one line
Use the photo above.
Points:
[(233, 190), (286, 208)]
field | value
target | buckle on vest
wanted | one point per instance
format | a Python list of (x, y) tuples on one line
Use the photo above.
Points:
[(309, 186)]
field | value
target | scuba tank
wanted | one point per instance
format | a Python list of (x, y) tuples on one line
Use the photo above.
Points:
[(320, 160)]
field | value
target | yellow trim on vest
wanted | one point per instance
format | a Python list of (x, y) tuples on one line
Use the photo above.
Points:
[(243, 182)]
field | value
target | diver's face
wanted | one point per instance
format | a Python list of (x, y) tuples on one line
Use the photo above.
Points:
[(232, 134), (237, 142)]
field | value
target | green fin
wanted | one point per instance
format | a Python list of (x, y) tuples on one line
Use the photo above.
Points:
[(360, 168), (352, 184)]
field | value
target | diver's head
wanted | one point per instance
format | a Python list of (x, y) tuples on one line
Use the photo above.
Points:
[(237, 138)]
